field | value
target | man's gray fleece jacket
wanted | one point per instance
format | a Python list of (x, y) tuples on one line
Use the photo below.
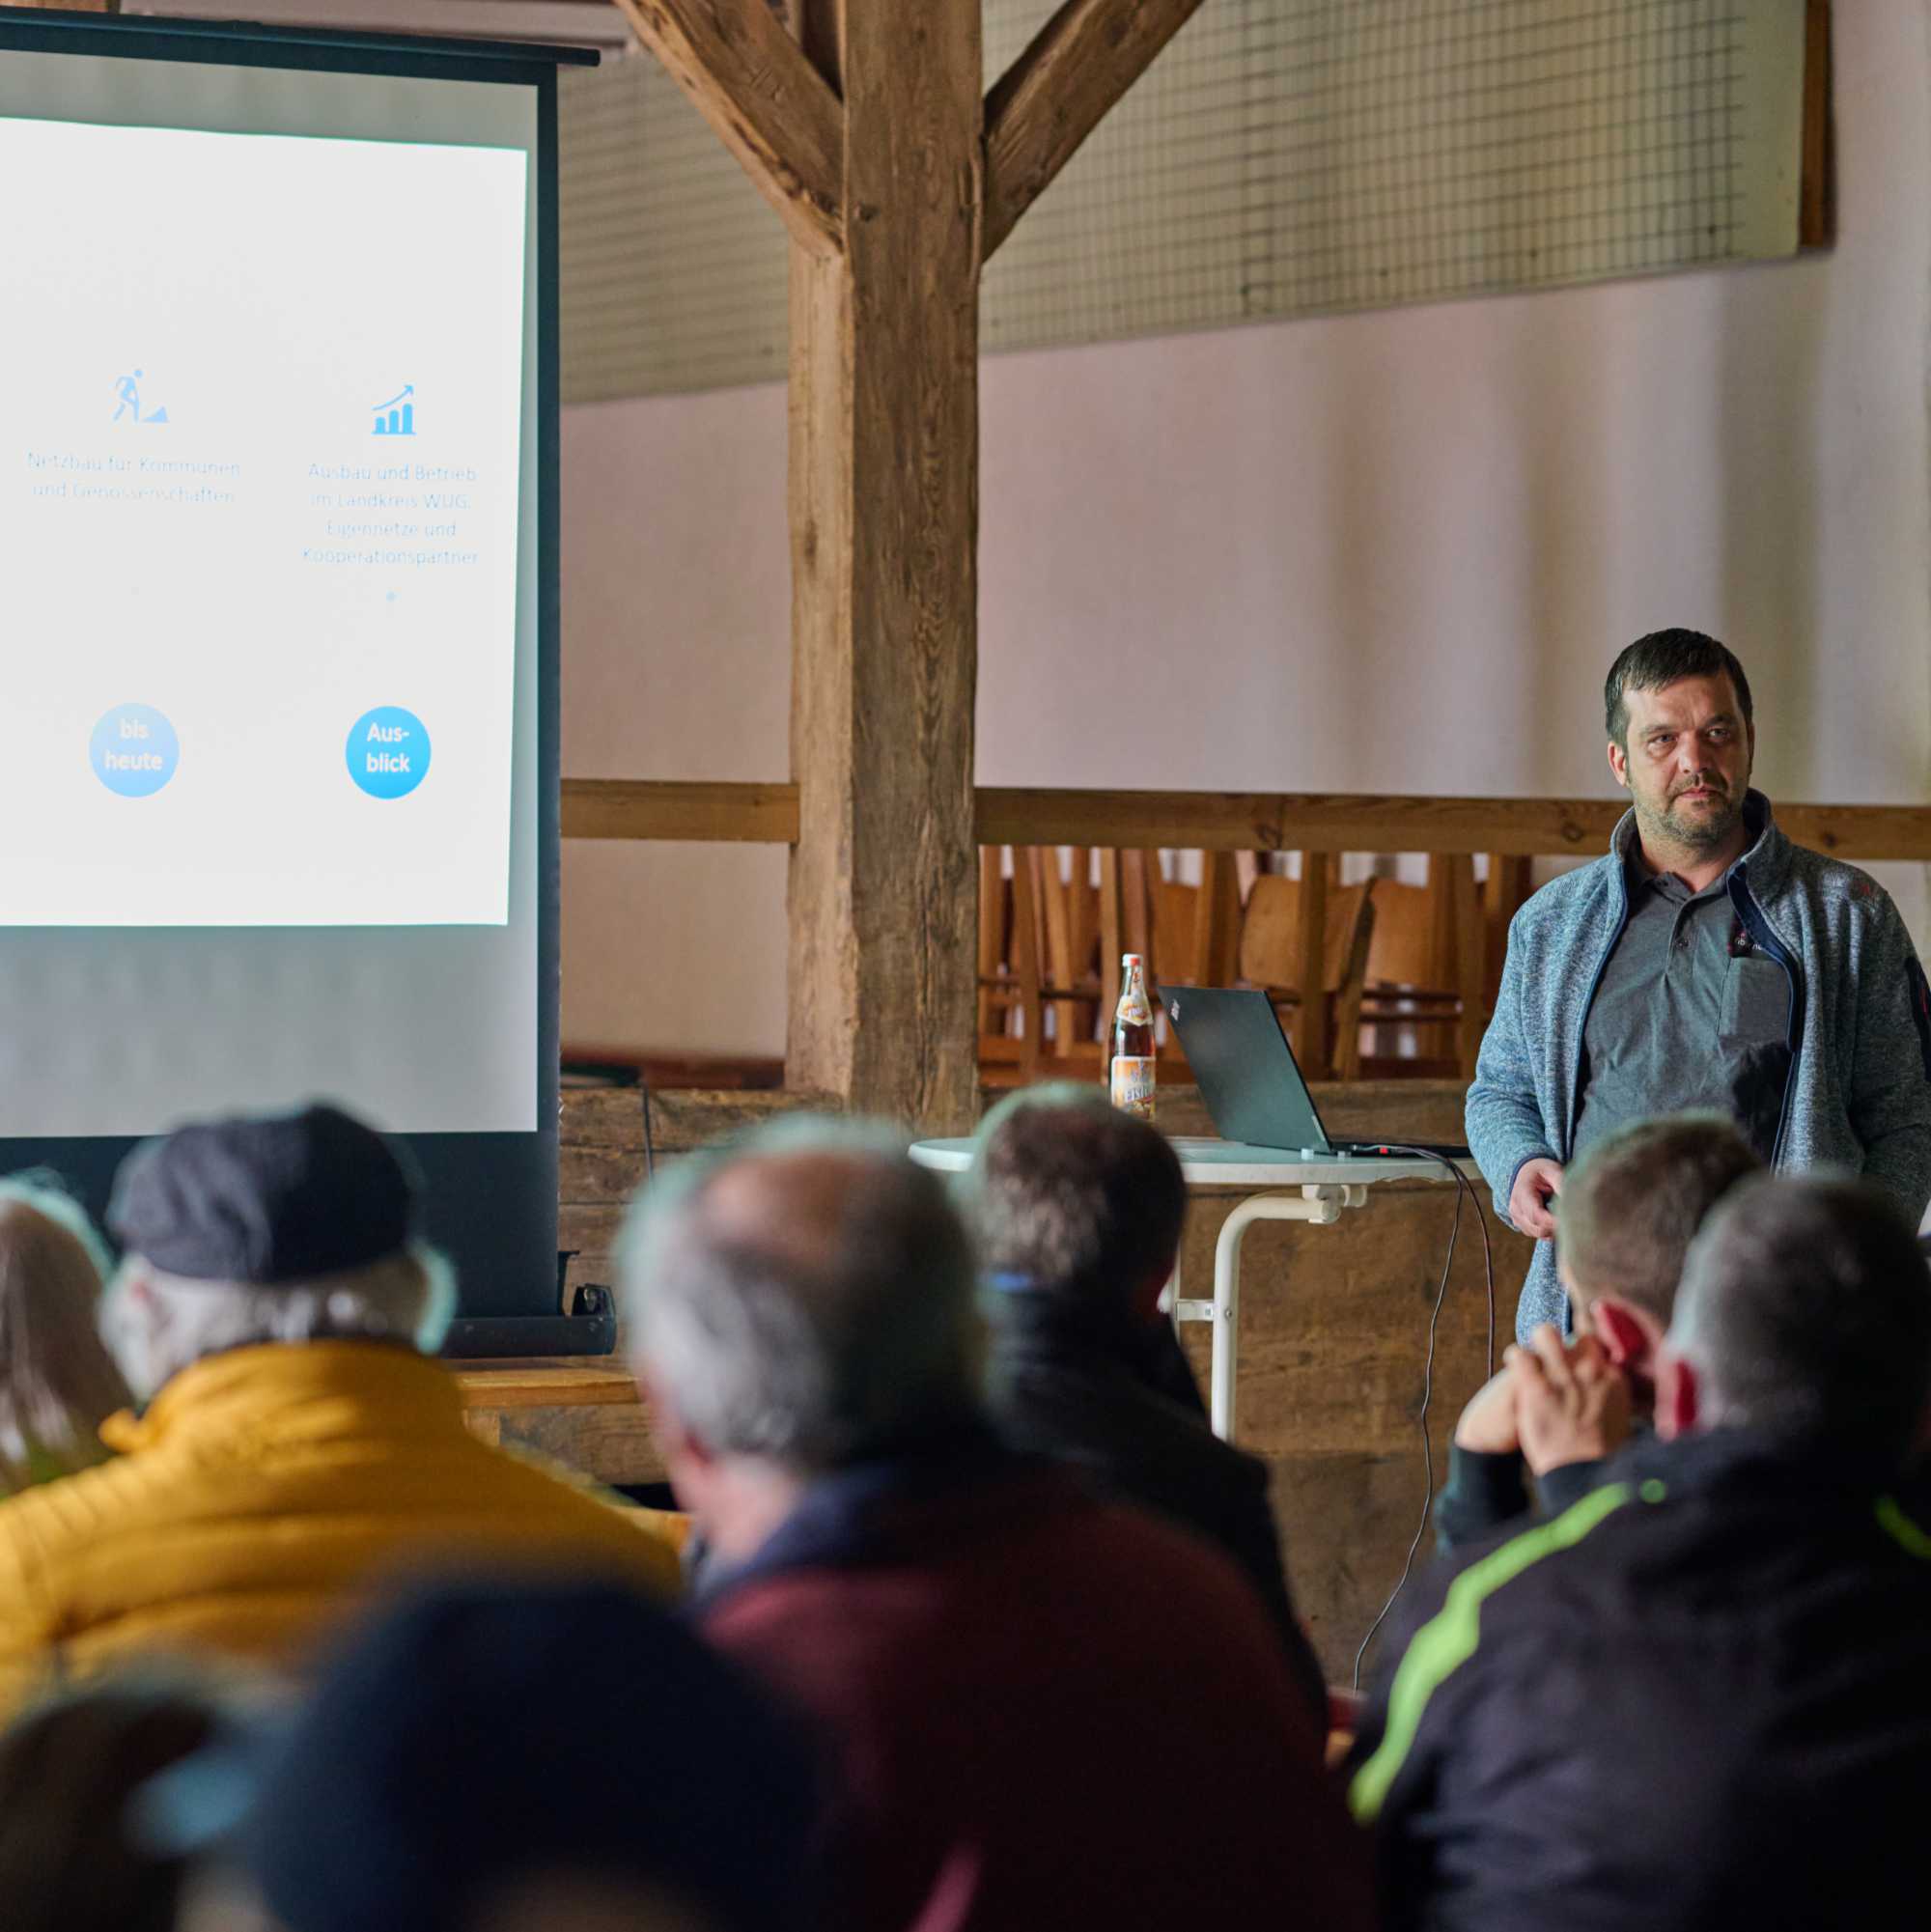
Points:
[(1857, 1095)]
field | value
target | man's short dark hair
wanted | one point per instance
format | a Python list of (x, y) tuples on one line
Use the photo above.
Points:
[(1629, 1206), (1664, 658), (1805, 1307), (1073, 1195)]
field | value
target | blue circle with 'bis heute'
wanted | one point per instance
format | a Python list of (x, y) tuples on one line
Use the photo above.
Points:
[(388, 751), (134, 750)]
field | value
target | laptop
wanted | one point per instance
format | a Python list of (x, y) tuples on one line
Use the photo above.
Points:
[(1250, 1080)]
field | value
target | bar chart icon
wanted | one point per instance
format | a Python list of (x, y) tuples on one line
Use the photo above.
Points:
[(397, 417)]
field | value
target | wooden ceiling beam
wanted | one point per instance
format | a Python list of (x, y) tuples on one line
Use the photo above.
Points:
[(766, 101), (1059, 90)]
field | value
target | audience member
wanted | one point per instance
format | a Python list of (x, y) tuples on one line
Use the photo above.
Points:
[(58, 1384), (298, 1447), (68, 1862), (1078, 1208), (503, 1756), (1626, 1217), (1701, 1697), (1051, 1711)]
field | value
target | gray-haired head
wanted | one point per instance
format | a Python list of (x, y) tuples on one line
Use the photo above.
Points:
[(1806, 1312), (805, 1295), (1076, 1196)]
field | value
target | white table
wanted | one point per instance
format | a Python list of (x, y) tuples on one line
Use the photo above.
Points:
[(1325, 1187)]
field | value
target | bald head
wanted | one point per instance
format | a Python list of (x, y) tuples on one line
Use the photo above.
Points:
[(804, 1296)]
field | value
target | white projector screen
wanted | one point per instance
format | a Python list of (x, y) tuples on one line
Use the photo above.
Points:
[(268, 593)]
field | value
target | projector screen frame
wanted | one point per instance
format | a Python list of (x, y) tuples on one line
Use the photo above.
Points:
[(490, 1198)]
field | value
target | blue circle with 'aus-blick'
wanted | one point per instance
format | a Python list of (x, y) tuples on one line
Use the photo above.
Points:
[(388, 751), (134, 750)]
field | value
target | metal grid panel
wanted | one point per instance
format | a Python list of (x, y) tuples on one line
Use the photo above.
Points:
[(1283, 157)]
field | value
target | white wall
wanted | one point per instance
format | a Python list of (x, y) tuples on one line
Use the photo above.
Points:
[(1380, 552)]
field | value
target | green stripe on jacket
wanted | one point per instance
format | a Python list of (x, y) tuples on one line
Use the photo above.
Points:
[(1449, 1639)]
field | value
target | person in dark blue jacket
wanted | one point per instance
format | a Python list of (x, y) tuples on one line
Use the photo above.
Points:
[(1701, 1697), (1077, 1208)]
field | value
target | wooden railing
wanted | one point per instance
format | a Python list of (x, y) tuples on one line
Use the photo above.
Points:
[(605, 808)]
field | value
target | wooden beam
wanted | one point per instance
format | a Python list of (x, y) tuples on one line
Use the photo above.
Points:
[(884, 513), (1059, 90), (1816, 191), (627, 808), (618, 808), (764, 98)]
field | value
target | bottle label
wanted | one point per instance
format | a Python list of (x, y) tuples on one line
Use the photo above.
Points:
[(1133, 1086)]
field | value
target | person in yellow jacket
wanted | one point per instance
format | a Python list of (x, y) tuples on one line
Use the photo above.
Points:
[(300, 1452)]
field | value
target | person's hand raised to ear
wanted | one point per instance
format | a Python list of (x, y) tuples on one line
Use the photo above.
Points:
[(1572, 1402), (1488, 1424)]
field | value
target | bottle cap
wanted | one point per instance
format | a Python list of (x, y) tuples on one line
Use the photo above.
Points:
[(1130, 960)]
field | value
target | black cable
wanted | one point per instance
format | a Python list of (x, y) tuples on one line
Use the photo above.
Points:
[(650, 1152), (1463, 1189)]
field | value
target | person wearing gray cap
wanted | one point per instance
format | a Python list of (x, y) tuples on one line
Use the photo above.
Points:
[(298, 1450)]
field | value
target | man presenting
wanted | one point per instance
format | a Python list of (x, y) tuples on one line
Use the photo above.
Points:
[(1705, 962)]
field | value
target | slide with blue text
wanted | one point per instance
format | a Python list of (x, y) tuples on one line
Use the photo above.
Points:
[(260, 410)]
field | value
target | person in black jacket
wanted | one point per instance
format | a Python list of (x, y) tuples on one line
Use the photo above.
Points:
[(1077, 1209), (1624, 1219), (1701, 1697)]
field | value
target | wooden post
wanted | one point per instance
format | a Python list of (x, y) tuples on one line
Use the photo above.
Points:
[(868, 134), (1217, 927), (885, 514), (1466, 923), (1312, 1044)]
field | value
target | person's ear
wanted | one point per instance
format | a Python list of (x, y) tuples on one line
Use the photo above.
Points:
[(1147, 1294), (1679, 1397), (687, 1460), (1620, 1329), (1619, 763)]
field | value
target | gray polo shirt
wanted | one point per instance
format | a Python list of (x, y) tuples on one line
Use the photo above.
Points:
[(1689, 1015)]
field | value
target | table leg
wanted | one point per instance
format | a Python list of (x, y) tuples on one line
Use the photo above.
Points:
[(1320, 1205)]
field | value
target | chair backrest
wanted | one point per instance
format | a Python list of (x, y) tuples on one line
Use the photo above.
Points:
[(1270, 949), (1405, 949)]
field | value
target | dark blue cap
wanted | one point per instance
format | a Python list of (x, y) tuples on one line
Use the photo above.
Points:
[(486, 1731), (264, 1198)]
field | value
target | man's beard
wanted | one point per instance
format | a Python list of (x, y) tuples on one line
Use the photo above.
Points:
[(1704, 832)]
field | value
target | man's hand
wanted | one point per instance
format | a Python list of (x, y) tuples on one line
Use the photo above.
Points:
[(1537, 1184), (1488, 1424), (1572, 1402)]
